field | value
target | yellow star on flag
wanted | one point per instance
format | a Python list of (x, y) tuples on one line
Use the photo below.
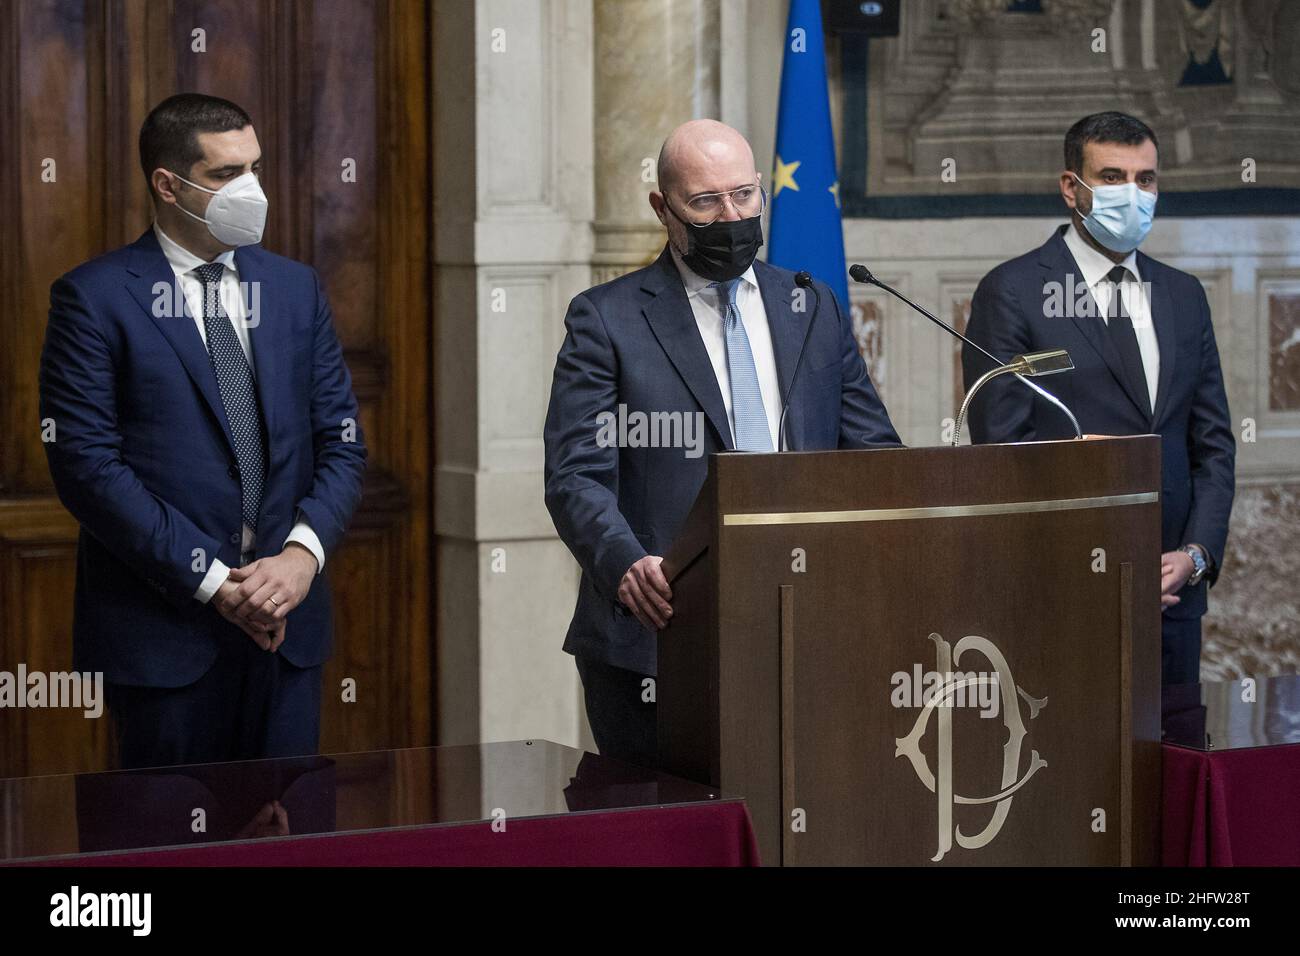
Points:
[(834, 190), (784, 177)]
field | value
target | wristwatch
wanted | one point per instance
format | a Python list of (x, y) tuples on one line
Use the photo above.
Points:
[(1199, 564)]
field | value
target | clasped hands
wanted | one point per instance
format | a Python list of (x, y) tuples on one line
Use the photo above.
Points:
[(259, 596)]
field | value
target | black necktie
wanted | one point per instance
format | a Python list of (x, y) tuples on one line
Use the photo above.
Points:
[(238, 394), (1119, 325)]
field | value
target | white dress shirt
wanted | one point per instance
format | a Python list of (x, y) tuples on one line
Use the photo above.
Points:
[(1095, 267), (184, 262), (709, 312)]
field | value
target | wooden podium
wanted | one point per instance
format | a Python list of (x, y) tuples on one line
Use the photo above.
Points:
[(928, 655)]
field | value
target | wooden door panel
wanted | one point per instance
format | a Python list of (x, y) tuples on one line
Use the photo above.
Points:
[(325, 82)]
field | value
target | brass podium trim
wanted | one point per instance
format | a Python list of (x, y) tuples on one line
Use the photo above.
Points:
[(787, 724), (1126, 713), (944, 511)]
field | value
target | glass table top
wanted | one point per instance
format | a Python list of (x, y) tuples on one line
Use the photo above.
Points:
[(1232, 715), (65, 814), (62, 814)]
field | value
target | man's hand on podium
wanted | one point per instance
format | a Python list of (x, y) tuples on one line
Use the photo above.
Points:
[(645, 592), (1175, 568)]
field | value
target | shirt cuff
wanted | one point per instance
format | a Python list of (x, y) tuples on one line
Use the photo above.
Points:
[(303, 535), (212, 581)]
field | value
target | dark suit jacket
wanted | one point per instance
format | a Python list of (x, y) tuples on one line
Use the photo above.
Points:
[(634, 341), (144, 460), (1191, 410)]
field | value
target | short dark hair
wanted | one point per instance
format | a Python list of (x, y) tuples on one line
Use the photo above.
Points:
[(169, 137), (1109, 127)]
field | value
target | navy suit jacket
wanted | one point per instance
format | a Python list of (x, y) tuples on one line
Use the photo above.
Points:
[(143, 457), (1198, 453), (634, 341)]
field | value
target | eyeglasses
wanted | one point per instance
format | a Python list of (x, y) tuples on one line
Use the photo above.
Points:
[(707, 208)]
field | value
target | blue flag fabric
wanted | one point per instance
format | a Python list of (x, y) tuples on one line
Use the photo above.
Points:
[(806, 232)]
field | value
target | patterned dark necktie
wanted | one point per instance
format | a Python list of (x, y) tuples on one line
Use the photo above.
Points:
[(1119, 325), (238, 393)]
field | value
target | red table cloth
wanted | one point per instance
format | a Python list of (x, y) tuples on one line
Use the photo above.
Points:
[(1231, 807), (717, 834)]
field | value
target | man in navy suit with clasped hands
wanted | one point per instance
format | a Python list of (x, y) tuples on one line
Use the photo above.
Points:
[(206, 440)]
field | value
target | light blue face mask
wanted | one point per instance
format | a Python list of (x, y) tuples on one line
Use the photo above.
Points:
[(1121, 215)]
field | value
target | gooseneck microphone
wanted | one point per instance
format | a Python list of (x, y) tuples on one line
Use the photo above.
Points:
[(804, 281), (860, 273)]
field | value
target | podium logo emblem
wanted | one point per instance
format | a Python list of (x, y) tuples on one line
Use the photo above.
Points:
[(939, 781)]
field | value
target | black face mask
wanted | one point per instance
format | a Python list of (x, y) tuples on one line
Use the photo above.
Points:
[(722, 250)]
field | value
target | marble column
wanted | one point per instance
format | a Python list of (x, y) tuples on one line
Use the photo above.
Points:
[(512, 145), (657, 64)]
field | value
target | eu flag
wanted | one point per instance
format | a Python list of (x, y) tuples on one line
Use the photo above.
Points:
[(805, 230)]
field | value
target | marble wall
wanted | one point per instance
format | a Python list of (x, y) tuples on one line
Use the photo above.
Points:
[(513, 212)]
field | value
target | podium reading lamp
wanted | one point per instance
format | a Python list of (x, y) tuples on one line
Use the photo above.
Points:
[(1031, 363)]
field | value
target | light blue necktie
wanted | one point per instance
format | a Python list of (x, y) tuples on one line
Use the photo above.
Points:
[(746, 399)]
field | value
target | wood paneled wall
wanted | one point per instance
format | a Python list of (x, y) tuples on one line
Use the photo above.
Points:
[(325, 82)]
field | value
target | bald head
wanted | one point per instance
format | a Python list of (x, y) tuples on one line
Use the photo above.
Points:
[(704, 156)]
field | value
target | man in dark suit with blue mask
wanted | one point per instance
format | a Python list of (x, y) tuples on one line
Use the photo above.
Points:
[(1144, 352), (691, 355), (206, 440)]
